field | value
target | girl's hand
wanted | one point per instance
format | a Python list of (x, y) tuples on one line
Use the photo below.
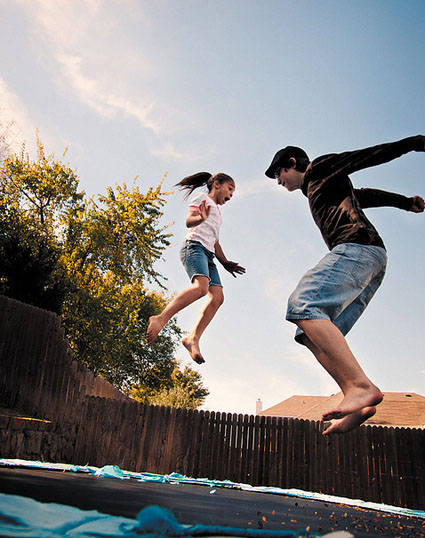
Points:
[(418, 204), (204, 210), (234, 267), (197, 215)]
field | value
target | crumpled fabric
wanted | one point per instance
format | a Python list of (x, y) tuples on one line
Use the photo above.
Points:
[(24, 517), (154, 521)]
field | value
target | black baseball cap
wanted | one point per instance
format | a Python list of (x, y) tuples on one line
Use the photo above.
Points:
[(282, 157)]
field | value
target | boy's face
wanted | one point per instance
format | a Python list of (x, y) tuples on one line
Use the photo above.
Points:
[(290, 178)]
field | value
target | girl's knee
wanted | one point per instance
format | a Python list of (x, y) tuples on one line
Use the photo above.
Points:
[(201, 285), (217, 295)]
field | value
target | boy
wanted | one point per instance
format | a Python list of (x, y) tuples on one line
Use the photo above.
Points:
[(330, 297)]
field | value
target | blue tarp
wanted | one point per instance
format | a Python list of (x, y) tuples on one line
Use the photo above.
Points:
[(23, 517)]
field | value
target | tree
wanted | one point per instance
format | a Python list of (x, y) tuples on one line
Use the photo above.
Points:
[(33, 196), (184, 388), (91, 260), (5, 133), (110, 249)]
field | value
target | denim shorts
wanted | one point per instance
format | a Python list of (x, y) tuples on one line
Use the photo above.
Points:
[(199, 261), (339, 287)]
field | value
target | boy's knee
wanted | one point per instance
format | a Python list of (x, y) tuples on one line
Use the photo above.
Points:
[(220, 300)]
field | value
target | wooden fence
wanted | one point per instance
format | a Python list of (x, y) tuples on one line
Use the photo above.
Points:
[(377, 464), (37, 370), (38, 374)]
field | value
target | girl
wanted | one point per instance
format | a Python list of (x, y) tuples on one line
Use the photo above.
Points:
[(197, 255)]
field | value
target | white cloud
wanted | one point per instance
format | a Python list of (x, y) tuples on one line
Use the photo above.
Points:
[(169, 151), (93, 92), (104, 70), (13, 112)]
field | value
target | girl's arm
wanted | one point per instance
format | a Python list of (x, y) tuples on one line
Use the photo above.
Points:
[(197, 215), (232, 267)]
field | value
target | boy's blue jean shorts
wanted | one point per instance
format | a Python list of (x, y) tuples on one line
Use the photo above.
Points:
[(199, 261), (339, 287)]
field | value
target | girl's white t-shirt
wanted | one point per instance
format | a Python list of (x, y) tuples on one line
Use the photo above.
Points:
[(207, 233)]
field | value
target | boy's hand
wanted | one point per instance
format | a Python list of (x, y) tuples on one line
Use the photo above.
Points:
[(234, 267), (418, 204)]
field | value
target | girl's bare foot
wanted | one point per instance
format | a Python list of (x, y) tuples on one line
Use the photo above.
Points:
[(154, 328), (351, 421), (193, 347), (355, 400)]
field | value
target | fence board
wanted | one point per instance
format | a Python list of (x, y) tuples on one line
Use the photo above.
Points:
[(420, 465), (222, 470), (243, 448), (238, 447), (401, 448), (201, 444), (260, 450), (411, 466), (250, 451), (286, 453), (194, 439), (179, 449), (233, 447)]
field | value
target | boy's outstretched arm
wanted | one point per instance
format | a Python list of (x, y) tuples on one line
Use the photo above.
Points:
[(379, 198), (352, 161), (232, 267)]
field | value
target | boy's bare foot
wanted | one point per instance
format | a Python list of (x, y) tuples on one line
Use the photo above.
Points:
[(193, 347), (154, 328), (355, 400), (351, 421)]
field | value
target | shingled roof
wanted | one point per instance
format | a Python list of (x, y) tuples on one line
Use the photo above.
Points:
[(402, 409)]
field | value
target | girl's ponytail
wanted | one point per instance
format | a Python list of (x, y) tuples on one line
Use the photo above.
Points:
[(190, 183)]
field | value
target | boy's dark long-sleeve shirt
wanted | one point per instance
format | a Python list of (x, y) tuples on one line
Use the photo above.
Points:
[(337, 207)]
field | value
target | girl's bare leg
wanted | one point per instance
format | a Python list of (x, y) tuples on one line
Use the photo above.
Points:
[(185, 298), (191, 342), (330, 348)]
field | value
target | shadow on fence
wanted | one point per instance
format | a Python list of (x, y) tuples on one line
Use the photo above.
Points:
[(89, 421)]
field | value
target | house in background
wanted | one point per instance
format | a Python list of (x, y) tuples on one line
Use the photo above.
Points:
[(398, 409)]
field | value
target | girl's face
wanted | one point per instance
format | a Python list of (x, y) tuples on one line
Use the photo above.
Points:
[(223, 191)]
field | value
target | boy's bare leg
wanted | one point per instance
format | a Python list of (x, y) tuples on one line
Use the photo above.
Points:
[(185, 298), (351, 421), (330, 348), (191, 341)]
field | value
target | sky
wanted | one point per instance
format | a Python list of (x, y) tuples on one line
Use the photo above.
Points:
[(142, 89)]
